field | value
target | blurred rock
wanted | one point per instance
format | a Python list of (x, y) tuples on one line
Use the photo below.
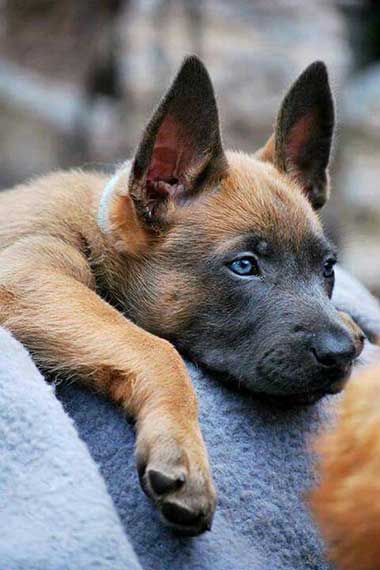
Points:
[(360, 176), (254, 50)]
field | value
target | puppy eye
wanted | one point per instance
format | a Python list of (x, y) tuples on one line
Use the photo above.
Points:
[(328, 268), (244, 266)]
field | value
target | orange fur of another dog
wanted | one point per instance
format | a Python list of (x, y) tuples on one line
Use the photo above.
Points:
[(347, 502)]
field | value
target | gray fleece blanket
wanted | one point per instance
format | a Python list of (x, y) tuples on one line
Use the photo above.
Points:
[(55, 512)]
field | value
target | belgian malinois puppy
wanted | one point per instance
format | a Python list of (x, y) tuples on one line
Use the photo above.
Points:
[(218, 253)]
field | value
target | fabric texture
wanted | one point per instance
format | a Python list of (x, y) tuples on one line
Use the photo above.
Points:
[(55, 512)]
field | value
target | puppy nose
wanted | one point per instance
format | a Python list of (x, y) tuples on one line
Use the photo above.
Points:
[(334, 349)]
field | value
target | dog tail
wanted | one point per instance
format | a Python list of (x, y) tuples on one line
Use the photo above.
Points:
[(347, 502)]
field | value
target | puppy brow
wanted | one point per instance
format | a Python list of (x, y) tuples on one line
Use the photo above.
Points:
[(263, 247), (328, 248), (258, 244), (320, 248), (245, 243), (333, 250)]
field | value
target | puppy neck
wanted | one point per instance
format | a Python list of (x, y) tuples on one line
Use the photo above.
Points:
[(117, 219)]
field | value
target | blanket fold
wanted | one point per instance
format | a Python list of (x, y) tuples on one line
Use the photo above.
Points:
[(55, 512)]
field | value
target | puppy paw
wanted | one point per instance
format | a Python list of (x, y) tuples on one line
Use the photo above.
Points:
[(174, 473)]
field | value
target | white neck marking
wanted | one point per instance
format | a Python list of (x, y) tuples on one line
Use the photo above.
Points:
[(107, 196)]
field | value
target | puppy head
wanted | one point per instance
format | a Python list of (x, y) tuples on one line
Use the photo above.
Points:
[(230, 259)]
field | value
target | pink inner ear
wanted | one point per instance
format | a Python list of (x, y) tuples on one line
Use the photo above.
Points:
[(299, 137), (173, 153)]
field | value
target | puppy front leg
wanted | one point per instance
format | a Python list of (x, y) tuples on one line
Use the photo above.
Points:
[(69, 328)]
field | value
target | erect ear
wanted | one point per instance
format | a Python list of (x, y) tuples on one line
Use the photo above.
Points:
[(303, 135), (181, 147)]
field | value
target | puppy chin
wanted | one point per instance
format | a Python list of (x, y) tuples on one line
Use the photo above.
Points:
[(311, 397), (302, 394), (289, 401)]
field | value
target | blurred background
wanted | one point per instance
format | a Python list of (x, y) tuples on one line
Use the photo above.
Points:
[(79, 78)]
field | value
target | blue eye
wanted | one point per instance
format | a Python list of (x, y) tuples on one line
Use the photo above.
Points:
[(244, 266), (328, 268)]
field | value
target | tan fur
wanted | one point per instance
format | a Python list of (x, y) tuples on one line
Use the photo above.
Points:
[(123, 228), (347, 502), (257, 188)]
